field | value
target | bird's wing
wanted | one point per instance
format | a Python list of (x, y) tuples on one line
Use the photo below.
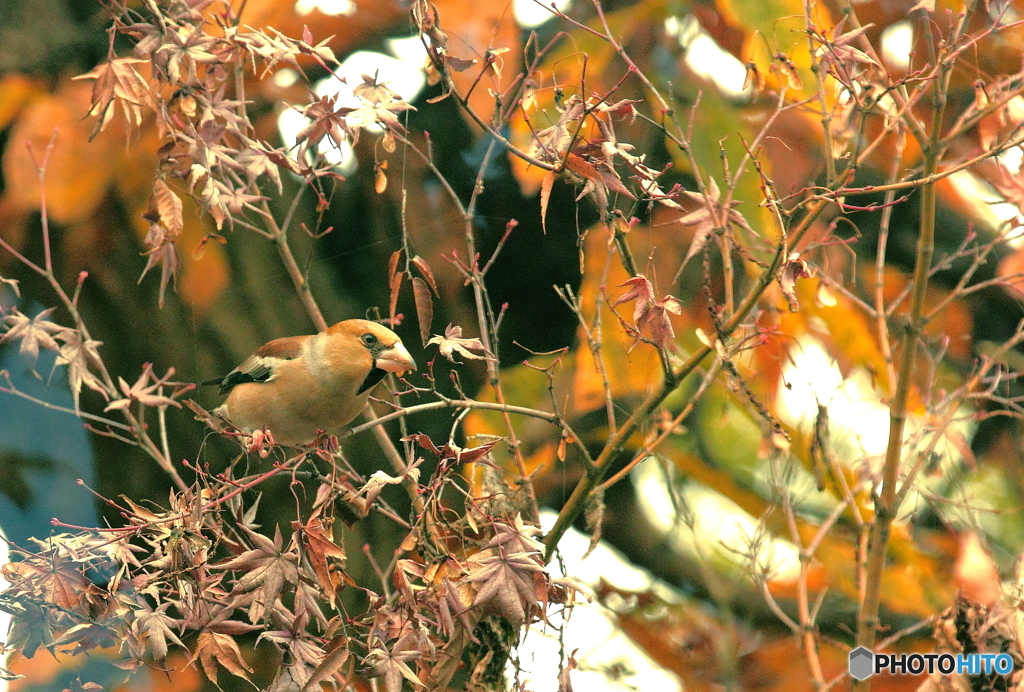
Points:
[(262, 365)]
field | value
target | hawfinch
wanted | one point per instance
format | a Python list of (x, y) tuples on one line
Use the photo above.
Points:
[(298, 385)]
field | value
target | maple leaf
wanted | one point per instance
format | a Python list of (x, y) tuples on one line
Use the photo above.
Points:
[(80, 357), (506, 572), (156, 628), (373, 91), (707, 218), (623, 108), (379, 480), (371, 113), (551, 143), (257, 162), (266, 568), (649, 314), (452, 343), (452, 452), (841, 59), (34, 333), (145, 392), (325, 120), (304, 656), (163, 253), (393, 665), (118, 80)]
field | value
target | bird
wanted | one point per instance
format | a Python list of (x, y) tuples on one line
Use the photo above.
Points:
[(298, 386)]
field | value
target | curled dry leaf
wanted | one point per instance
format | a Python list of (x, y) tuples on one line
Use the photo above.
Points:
[(794, 268)]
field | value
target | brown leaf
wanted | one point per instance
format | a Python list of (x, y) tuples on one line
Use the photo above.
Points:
[(650, 315), (219, 650), (266, 567), (427, 272), (168, 207), (392, 665), (506, 584), (318, 546), (396, 290), (795, 268), (424, 307), (117, 80), (330, 665)]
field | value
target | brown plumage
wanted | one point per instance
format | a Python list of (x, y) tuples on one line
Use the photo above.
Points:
[(298, 385)]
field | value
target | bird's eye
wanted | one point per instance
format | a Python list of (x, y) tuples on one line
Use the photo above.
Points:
[(369, 339)]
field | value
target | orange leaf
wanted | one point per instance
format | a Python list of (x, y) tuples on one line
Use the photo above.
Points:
[(78, 172)]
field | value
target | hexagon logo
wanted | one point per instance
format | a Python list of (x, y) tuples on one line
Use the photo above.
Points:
[(862, 663)]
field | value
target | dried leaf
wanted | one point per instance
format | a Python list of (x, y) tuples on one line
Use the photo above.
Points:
[(168, 207), (396, 290), (33, 333), (795, 268), (452, 343), (425, 270), (217, 650), (424, 307), (330, 665), (317, 547)]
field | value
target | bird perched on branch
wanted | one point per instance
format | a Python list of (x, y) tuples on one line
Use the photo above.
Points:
[(298, 385)]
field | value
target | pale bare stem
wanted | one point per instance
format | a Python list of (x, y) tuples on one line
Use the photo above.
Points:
[(805, 629), (43, 211), (437, 173), (1012, 142), (9, 388), (905, 632), (881, 318), (610, 37), (840, 288), (774, 606), (754, 145), (725, 249), (488, 329), (594, 338), (887, 501)]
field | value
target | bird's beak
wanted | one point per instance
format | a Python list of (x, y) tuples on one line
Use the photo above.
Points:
[(395, 359)]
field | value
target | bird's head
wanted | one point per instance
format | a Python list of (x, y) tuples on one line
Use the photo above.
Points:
[(385, 348)]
